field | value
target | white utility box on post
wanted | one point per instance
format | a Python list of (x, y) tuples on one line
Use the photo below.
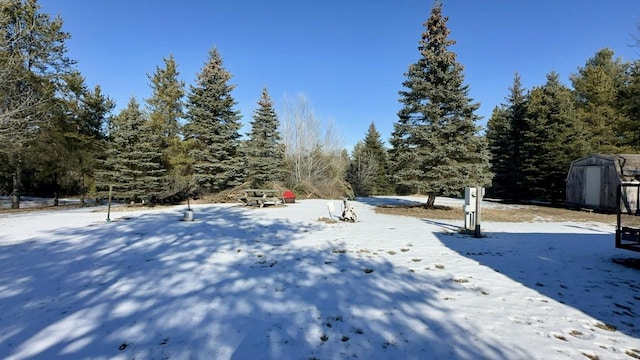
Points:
[(470, 208), (472, 204)]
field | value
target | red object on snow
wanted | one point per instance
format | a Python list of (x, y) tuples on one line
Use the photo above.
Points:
[(289, 197)]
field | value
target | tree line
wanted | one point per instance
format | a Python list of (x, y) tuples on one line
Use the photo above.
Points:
[(528, 144), (59, 137), (536, 134)]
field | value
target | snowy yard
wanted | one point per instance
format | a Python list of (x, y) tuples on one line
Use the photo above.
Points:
[(276, 283)]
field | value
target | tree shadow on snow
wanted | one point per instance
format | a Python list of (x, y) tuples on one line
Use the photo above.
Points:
[(388, 201), (571, 268), (232, 284)]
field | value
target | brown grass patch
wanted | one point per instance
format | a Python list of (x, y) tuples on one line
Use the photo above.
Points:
[(560, 337), (44, 208), (327, 220), (634, 353), (605, 327), (575, 333), (591, 356), (521, 213)]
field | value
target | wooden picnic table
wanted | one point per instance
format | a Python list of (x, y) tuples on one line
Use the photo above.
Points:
[(261, 197)]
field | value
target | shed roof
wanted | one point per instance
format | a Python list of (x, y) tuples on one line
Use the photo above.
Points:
[(628, 165)]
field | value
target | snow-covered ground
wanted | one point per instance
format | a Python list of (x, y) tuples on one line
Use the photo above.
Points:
[(276, 283)]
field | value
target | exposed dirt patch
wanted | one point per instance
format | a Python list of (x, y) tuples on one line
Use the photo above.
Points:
[(43, 208)]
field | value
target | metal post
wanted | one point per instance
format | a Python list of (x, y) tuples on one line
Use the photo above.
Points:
[(478, 203), (109, 204), (618, 220), (637, 201)]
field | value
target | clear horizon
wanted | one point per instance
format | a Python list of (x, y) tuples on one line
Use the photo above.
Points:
[(348, 58)]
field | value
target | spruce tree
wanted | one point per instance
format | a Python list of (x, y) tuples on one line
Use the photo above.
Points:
[(629, 129), (94, 113), (552, 139), (264, 148), (362, 171), (436, 148), (597, 88), (133, 163), (213, 128), (374, 145), (368, 171), (505, 132)]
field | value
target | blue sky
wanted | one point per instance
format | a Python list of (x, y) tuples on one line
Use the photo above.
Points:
[(348, 56)]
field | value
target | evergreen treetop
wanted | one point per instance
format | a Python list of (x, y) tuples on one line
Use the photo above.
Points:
[(598, 86), (166, 102), (629, 128)]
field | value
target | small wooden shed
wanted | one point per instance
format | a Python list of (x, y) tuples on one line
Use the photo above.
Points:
[(592, 181)]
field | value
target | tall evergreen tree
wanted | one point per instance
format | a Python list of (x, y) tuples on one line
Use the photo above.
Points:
[(166, 110), (436, 148), (374, 145), (264, 148), (505, 132), (362, 171), (53, 150), (95, 112), (368, 171), (629, 129), (68, 145), (133, 164), (213, 127), (552, 139), (597, 86)]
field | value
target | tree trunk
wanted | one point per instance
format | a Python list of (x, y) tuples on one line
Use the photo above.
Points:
[(83, 191), (15, 195), (56, 196), (431, 200)]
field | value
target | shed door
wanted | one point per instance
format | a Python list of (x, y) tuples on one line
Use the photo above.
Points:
[(592, 186)]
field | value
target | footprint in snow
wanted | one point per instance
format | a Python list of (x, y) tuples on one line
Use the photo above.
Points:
[(580, 335)]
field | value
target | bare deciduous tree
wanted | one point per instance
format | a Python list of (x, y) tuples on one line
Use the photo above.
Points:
[(313, 154), (32, 61), (19, 123)]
